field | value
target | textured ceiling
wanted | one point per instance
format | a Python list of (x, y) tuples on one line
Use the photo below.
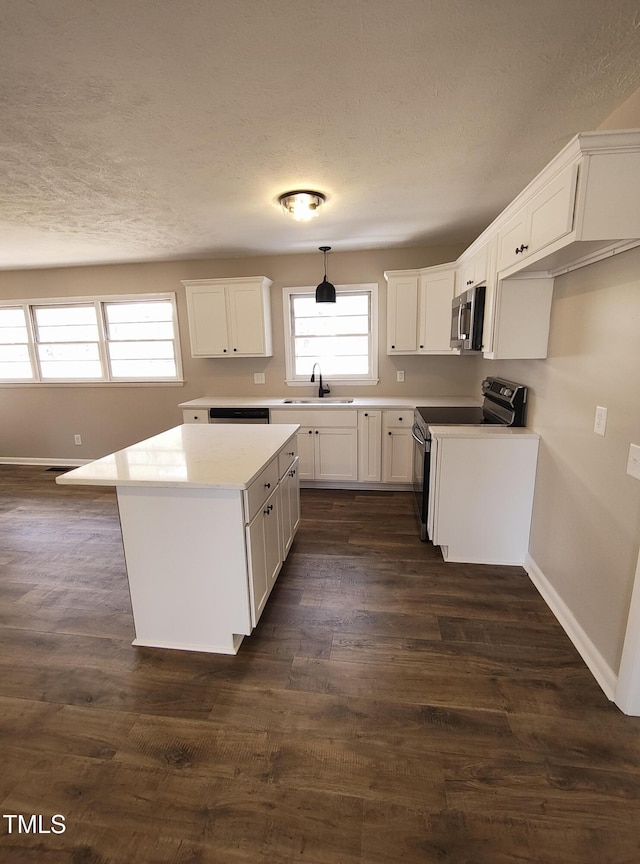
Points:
[(135, 130)]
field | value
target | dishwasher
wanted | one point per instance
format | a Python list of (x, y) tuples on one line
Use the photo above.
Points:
[(238, 415)]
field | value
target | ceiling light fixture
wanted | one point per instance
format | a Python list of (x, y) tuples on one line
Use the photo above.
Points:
[(325, 292), (302, 204)]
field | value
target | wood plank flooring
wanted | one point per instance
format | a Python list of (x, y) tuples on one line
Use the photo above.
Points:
[(388, 708)]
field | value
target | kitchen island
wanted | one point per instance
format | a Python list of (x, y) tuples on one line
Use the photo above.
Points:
[(208, 514)]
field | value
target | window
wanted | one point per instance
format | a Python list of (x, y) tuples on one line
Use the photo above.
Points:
[(132, 338), (340, 336), (15, 360)]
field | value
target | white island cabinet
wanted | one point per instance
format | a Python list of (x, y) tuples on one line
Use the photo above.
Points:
[(201, 511)]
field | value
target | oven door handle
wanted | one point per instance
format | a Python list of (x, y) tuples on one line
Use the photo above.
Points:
[(417, 438)]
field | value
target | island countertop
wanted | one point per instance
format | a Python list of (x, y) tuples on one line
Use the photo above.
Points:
[(220, 456)]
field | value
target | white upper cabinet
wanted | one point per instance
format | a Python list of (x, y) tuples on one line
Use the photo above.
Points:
[(472, 269), (580, 208), (402, 311), (229, 317), (548, 216), (419, 310)]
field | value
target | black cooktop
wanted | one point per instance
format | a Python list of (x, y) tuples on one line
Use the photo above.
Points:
[(455, 414)]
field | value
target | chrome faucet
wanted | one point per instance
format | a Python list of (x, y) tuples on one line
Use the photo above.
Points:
[(321, 390)]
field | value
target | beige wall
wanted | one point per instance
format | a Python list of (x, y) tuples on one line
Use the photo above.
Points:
[(586, 521), (40, 421)]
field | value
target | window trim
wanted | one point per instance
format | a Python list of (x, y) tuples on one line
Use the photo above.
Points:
[(287, 308), (28, 306)]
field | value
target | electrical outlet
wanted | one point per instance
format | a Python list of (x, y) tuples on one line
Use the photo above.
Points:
[(258, 378), (400, 376), (600, 425), (633, 462), (77, 439)]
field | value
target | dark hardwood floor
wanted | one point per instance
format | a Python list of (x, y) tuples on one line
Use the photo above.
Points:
[(388, 708)]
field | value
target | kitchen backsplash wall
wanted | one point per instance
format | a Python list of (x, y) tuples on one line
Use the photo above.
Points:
[(40, 421)]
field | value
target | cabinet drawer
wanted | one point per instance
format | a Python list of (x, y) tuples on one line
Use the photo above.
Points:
[(402, 419), (260, 489), (195, 415), (286, 456)]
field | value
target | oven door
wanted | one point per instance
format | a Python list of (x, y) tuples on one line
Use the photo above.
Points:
[(421, 457)]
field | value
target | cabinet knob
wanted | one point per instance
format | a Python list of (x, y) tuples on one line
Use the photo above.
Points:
[(310, 431), (393, 346), (224, 350), (267, 485), (521, 249), (422, 346), (292, 473), (268, 510), (316, 431), (235, 349), (399, 419), (469, 281), (293, 453), (389, 433), (366, 414)]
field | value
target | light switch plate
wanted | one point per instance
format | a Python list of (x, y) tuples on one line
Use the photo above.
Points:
[(633, 462), (258, 378), (600, 425), (400, 376)]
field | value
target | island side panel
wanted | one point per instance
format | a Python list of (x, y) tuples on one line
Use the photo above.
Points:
[(186, 564)]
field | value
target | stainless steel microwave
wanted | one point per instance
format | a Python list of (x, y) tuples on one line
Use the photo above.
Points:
[(467, 317)]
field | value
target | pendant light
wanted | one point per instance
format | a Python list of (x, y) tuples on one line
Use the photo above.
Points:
[(325, 292)]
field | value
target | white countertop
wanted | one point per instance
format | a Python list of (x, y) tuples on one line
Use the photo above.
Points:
[(216, 456), (326, 402), (480, 431)]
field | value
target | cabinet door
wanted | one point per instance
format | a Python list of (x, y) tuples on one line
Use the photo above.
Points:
[(402, 314), (265, 560), (369, 446), (551, 210), (272, 539), (398, 455), (258, 581), (511, 238), (473, 271), (306, 458), (436, 294), (289, 507), (207, 308), (246, 320), (336, 454)]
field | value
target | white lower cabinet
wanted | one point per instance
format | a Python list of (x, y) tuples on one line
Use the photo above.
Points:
[(369, 446), (264, 552), (397, 446), (327, 442), (481, 495)]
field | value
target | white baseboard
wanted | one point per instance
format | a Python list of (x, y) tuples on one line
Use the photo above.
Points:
[(53, 463), (599, 668)]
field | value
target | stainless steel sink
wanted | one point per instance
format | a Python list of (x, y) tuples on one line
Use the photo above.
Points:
[(324, 401)]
